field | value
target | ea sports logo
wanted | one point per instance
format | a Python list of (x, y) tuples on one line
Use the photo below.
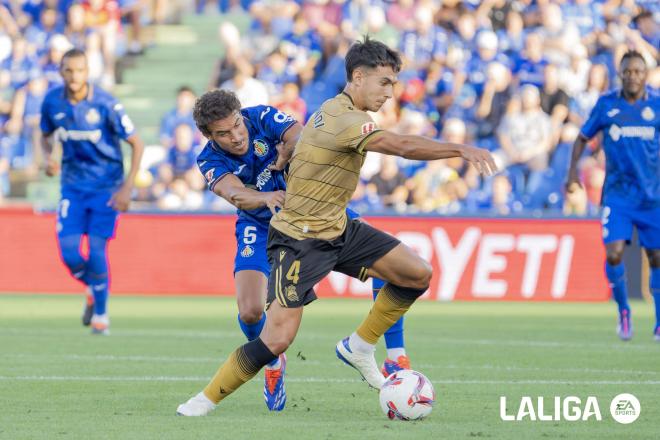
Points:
[(615, 132), (260, 147), (625, 408)]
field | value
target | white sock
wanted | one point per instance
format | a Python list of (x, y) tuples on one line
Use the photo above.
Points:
[(360, 345), (202, 397), (276, 364), (394, 353)]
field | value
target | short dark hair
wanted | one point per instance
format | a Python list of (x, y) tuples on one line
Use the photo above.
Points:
[(370, 53), (214, 105), (183, 89), (632, 54), (72, 53)]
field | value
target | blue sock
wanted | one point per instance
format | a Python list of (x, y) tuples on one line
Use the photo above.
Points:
[(655, 291), (616, 275), (252, 331), (97, 273), (70, 251), (393, 335)]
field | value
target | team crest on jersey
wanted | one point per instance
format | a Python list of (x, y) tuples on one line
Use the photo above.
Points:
[(260, 147), (92, 116), (291, 293), (247, 251), (648, 114), (368, 127), (209, 175)]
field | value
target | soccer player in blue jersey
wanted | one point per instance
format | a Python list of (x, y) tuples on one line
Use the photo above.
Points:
[(242, 163), (630, 122), (89, 124)]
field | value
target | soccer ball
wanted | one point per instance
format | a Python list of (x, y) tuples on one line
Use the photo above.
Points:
[(407, 395)]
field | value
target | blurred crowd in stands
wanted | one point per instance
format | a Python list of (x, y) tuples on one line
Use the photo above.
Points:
[(518, 77)]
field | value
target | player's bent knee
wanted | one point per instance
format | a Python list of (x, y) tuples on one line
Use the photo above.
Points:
[(251, 315), (614, 257), (420, 276)]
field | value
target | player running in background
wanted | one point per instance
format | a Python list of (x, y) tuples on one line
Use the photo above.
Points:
[(312, 235), (241, 164), (89, 124), (630, 121)]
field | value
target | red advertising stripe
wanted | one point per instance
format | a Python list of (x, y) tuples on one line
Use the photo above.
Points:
[(473, 259)]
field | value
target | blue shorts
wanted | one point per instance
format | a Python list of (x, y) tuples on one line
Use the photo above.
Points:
[(618, 225), (82, 212), (251, 242)]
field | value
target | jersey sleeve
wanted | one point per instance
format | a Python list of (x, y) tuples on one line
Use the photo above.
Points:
[(46, 122), (356, 129), (594, 123), (213, 169), (119, 121), (273, 122)]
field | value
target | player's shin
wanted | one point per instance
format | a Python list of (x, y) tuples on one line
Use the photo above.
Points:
[(655, 291), (252, 330), (390, 305), (616, 275), (242, 365)]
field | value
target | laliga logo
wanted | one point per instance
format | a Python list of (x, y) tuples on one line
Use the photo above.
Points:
[(625, 409), (569, 409)]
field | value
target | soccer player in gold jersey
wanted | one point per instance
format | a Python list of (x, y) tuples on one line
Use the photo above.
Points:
[(311, 235)]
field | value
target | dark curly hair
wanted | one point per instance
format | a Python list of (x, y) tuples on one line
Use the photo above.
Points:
[(214, 105), (370, 53)]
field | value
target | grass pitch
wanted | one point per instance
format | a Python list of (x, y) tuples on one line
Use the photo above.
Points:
[(57, 381)]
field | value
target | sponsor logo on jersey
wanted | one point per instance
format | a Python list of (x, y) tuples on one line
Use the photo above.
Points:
[(263, 178), (247, 251), (368, 127), (238, 171), (65, 135), (59, 116), (646, 133), (209, 175), (648, 113), (612, 113), (260, 147), (92, 116)]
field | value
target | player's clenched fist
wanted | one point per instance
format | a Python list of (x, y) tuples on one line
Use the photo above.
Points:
[(274, 200), (481, 159)]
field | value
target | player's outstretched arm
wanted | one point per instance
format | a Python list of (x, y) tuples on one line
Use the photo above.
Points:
[(121, 200), (286, 148), (230, 188), (573, 180), (421, 148), (52, 166)]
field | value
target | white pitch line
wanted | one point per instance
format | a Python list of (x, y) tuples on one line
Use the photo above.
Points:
[(307, 335), (215, 360), (322, 380)]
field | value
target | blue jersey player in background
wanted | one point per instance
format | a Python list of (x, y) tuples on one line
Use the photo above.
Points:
[(242, 163), (630, 122), (89, 124)]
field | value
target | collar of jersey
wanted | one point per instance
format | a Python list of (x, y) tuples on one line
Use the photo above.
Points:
[(88, 97)]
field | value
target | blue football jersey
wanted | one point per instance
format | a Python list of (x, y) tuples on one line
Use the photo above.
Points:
[(631, 145), (90, 132), (266, 126)]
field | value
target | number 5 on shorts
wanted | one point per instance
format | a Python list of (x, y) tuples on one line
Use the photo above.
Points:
[(250, 234)]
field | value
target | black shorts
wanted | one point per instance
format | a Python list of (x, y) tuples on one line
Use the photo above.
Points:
[(298, 265)]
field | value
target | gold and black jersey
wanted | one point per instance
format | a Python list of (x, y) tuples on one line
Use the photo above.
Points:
[(325, 170)]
